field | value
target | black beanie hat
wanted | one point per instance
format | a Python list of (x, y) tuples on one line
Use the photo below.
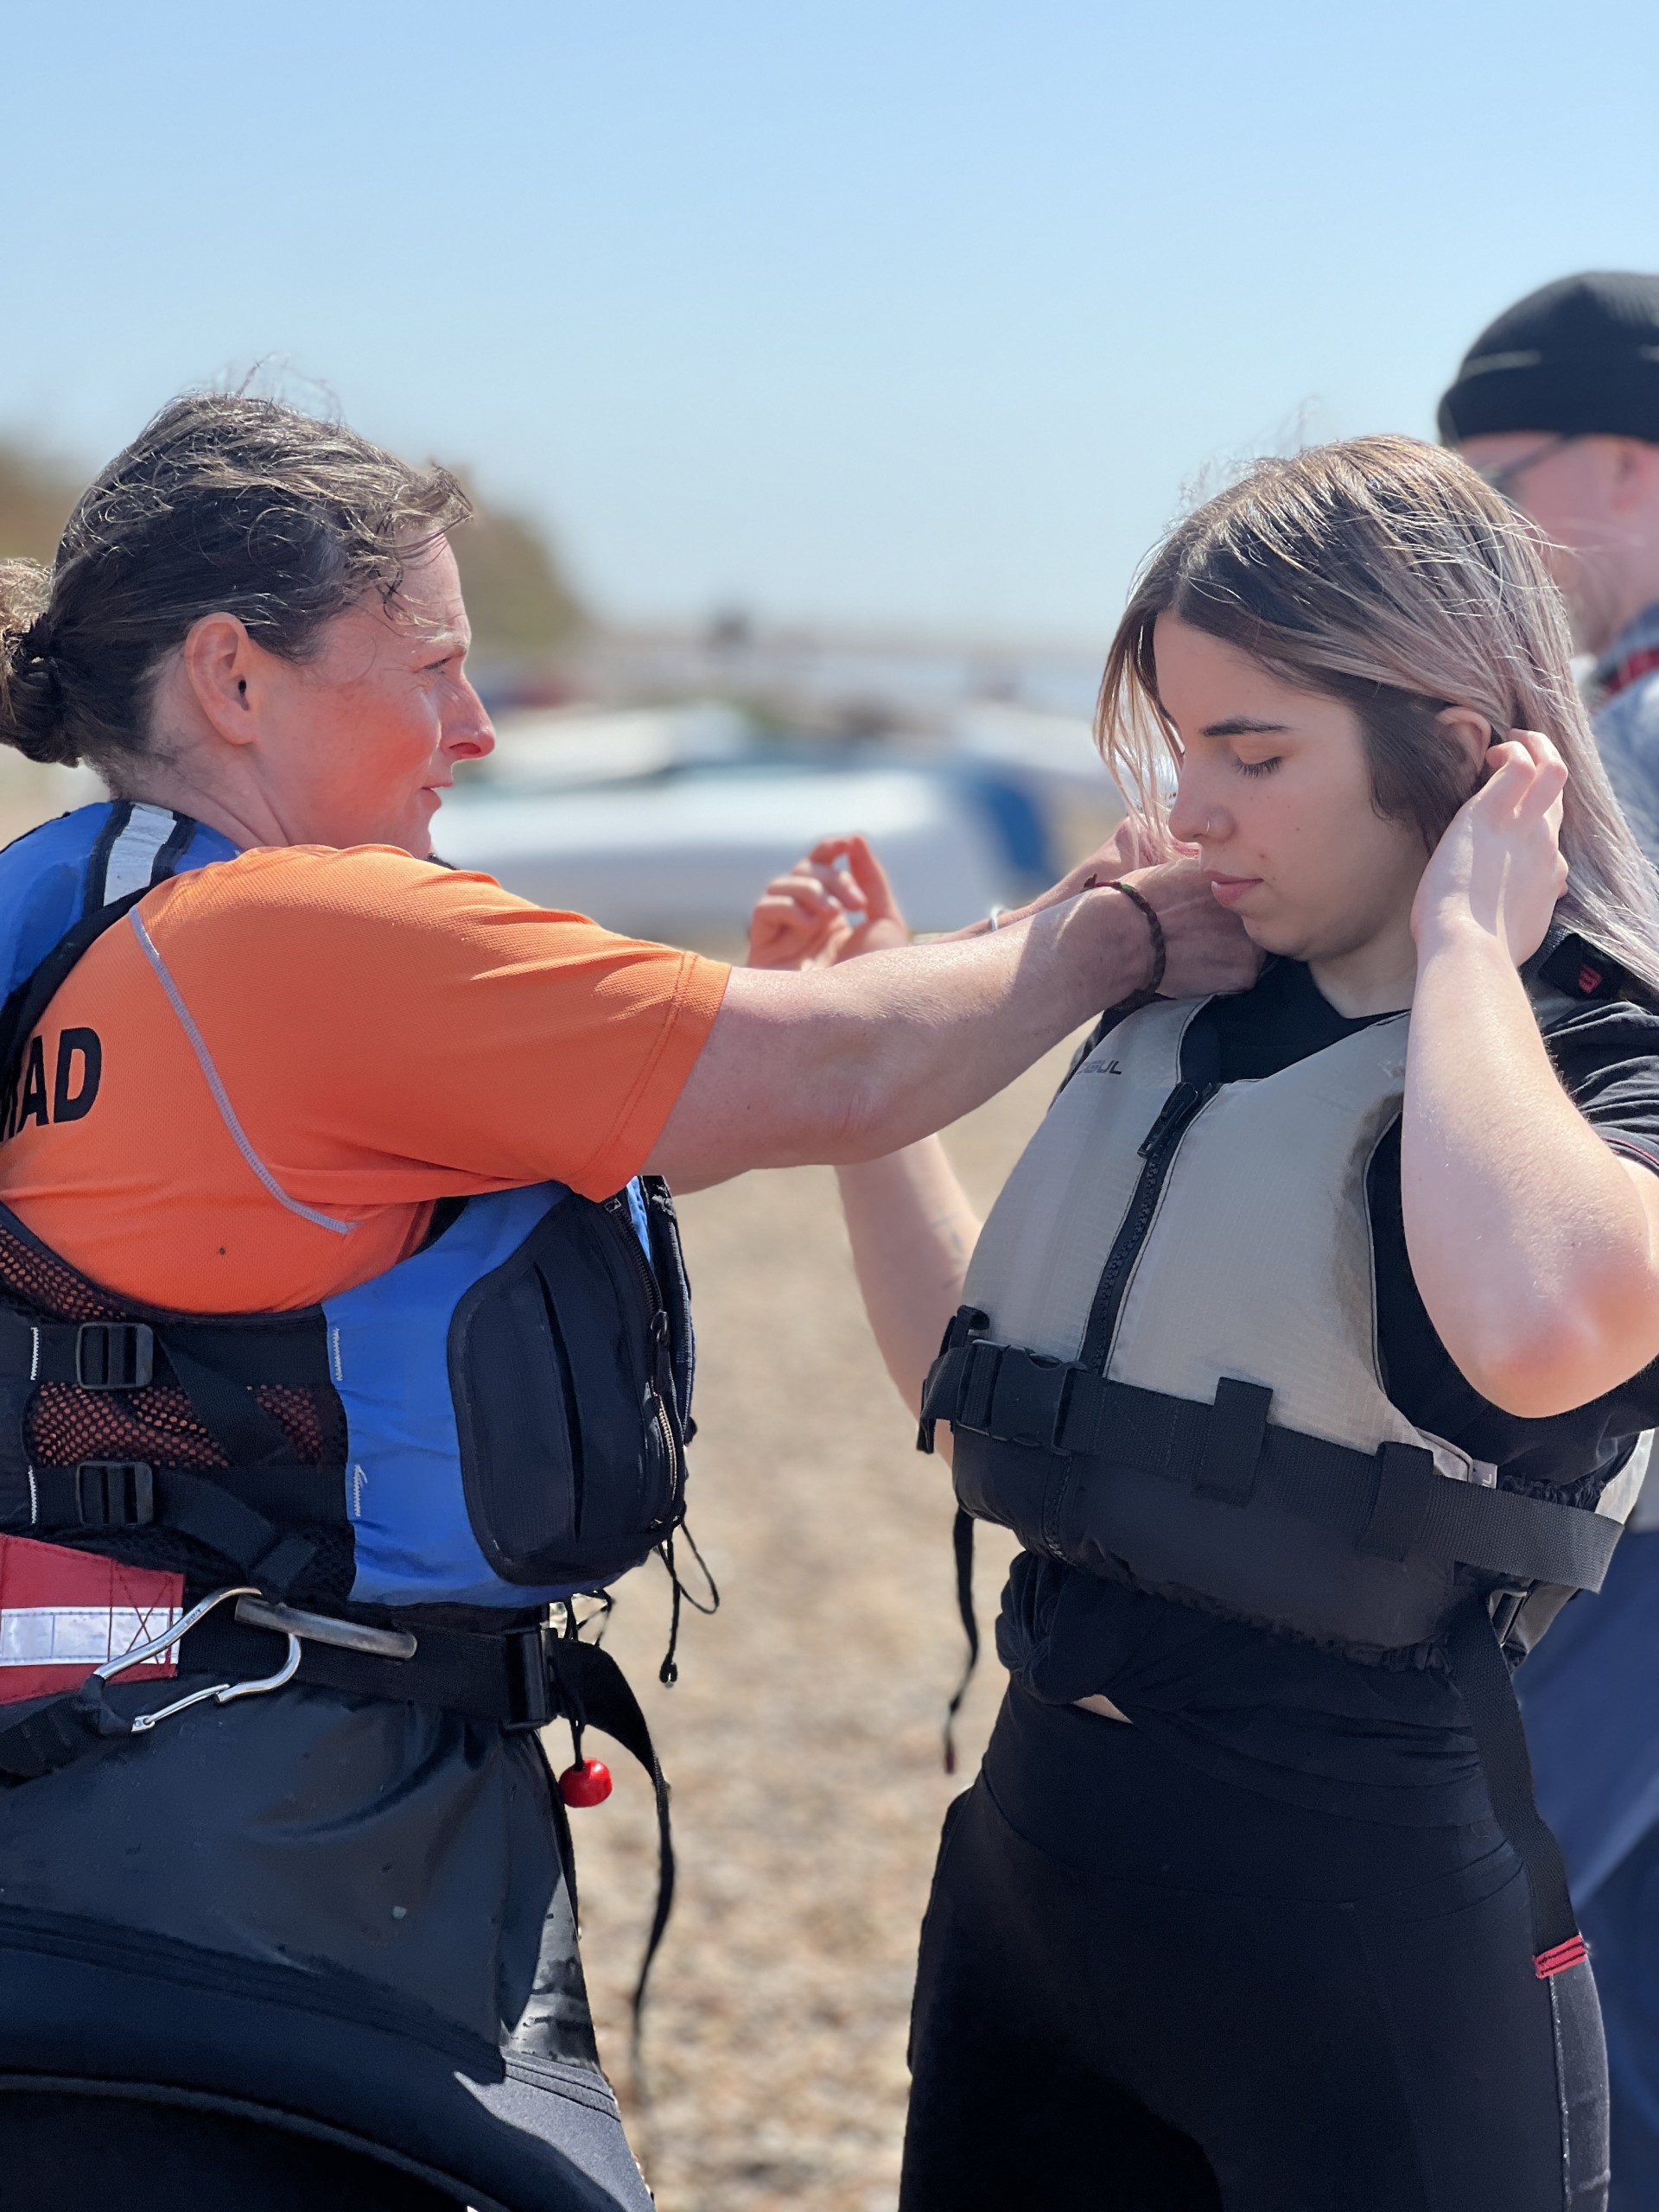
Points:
[(1579, 358)]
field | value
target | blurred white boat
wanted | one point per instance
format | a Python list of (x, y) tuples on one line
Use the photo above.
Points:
[(691, 853), (668, 822)]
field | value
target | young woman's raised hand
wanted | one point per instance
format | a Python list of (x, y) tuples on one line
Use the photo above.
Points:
[(834, 903), (1499, 869)]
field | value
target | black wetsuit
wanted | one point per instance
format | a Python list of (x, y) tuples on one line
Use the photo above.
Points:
[(1146, 1990), (1264, 1949)]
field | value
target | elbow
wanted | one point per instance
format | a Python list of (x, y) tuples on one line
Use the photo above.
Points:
[(865, 1119), (1532, 1390), (1537, 1361)]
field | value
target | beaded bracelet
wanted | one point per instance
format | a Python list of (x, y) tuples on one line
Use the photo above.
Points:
[(1148, 991)]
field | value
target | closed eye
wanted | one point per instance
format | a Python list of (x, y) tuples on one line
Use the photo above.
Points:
[(1259, 767)]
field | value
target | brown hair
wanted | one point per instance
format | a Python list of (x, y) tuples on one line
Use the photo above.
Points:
[(225, 504), (1385, 573)]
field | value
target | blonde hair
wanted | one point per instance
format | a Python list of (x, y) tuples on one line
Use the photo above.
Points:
[(1385, 573)]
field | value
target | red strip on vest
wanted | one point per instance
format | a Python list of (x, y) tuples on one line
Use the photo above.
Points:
[(64, 1613)]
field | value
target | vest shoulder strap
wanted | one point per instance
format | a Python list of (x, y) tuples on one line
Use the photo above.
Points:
[(138, 848)]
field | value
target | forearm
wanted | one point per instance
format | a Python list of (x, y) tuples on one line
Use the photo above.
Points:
[(913, 1232), (1528, 1238), (860, 1060)]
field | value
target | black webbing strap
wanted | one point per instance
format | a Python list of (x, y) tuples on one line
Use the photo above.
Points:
[(962, 1543), (101, 1495), (94, 1355), (1391, 1503), (594, 1692), (500, 1678), (1482, 1676), (244, 1431)]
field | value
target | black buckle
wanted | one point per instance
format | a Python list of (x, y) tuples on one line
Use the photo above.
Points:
[(529, 1691), (114, 1355), (115, 1494), (980, 1362)]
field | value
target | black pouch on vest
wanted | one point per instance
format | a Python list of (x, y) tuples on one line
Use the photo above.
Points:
[(570, 1413)]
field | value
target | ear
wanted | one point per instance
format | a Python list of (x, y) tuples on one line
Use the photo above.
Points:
[(1471, 732), (1636, 474), (220, 664)]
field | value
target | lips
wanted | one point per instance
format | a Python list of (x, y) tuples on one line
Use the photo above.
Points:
[(1230, 889)]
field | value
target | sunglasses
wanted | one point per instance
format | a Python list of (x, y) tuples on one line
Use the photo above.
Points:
[(1504, 480)]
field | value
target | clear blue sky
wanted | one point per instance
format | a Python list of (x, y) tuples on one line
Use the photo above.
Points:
[(902, 311)]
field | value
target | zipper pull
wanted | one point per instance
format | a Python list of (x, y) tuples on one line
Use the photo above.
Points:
[(1182, 1106)]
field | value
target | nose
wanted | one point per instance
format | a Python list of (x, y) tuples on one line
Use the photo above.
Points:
[(1194, 819), (468, 732)]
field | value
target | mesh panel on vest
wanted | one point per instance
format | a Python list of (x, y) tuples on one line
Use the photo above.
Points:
[(42, 1279), (65, 1425)]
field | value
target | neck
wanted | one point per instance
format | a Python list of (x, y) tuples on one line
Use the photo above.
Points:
[(243, 817), (1376, 977), (1631, 590)]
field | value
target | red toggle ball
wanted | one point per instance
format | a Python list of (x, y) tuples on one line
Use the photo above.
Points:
[(587, 1784)]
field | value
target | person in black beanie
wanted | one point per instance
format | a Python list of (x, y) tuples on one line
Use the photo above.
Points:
[(1557, 405)]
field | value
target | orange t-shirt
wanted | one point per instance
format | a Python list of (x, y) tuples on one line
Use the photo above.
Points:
[(252, 1089)]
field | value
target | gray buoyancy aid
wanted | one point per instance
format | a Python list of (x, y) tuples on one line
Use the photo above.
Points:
[(1166, 1372), (317, 1873)]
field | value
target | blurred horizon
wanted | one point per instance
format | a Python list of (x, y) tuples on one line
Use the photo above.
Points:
[(913, 319)]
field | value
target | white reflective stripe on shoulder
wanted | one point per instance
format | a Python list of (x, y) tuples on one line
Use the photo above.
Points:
[(78, 1636), (132, 856), (221, 1097)]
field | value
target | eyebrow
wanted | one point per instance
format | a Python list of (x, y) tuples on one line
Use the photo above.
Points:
[(1242, 725)]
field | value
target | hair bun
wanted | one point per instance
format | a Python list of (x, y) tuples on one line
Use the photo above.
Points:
[(31, 701)]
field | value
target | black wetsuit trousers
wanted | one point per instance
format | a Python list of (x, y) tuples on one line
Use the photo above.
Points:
[(1144, 1990)]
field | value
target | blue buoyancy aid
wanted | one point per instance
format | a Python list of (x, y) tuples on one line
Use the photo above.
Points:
[(512, 1398), (332, 1892)]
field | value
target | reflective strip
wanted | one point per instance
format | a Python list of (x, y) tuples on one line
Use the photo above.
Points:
[(221, 1097), (132, 856), (78, 1636)]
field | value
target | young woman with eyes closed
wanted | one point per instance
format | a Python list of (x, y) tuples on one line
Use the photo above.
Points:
[(1307, 1352)]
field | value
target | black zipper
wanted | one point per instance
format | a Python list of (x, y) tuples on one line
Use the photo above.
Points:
[(1158, 1148), (662, 1380)]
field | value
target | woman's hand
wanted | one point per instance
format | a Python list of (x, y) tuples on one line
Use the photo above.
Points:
[(832, 906), (1499, 867), (1206, 946)]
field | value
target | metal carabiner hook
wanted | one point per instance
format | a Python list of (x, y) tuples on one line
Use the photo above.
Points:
[(158, 1644), (220, 1693)]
